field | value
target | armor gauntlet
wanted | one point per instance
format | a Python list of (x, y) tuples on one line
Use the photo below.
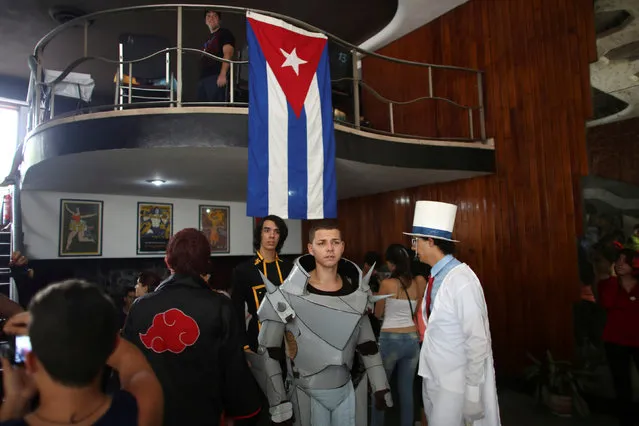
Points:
[(270, 350), (267, 368)]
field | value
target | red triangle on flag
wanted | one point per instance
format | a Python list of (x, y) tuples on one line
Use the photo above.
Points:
[(293, 58)]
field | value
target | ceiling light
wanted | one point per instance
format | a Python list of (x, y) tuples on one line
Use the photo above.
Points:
[(156, 182)]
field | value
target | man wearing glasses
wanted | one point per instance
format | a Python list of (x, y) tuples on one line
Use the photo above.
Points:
[(456, 360)]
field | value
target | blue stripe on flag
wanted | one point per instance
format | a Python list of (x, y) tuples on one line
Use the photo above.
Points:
[(297, 165), (330, 184), (257, 194)]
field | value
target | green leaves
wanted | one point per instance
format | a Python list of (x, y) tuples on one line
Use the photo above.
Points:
[(560, 378)]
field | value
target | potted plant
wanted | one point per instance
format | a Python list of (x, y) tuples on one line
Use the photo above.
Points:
[(558, 385)]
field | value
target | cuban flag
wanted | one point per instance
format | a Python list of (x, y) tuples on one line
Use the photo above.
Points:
[(291, 165)]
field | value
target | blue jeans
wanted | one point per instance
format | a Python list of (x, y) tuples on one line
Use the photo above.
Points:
[(399, 350), (208, 91)]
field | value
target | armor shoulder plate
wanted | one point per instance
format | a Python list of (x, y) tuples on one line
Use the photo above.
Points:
[(297, 279), (274, 306)]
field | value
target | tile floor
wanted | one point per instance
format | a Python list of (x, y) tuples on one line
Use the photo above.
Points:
[(518, 409)]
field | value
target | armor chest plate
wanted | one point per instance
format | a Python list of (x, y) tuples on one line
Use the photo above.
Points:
[(325, 330)]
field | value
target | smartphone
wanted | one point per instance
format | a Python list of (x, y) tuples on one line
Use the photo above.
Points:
[(16, 349), (21, 347)]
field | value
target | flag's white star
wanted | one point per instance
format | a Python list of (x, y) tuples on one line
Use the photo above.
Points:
[(292, 60)]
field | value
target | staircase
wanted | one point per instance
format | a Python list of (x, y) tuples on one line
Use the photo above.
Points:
[(5, 258)]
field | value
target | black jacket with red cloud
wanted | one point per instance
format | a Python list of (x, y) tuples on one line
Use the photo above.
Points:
[(190, 336)]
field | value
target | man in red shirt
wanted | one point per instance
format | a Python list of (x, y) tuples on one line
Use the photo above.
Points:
[(619, 296)]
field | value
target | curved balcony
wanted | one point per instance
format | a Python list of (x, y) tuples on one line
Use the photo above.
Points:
[(97, 125)]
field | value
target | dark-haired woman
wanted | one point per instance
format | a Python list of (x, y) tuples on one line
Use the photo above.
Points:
[(146, 283), (619, 296), (398, 341)]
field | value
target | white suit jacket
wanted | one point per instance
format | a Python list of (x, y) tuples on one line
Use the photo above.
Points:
[(456, 353)]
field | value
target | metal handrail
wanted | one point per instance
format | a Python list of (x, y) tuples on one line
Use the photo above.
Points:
[(238, 10), (362, 83), (356, 52), (376, 94)]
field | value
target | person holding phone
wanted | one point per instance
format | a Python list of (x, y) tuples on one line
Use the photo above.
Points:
[(65, 339)]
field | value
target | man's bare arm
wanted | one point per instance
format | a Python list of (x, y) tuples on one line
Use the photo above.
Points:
[(138, 378), (8, 307), (228, 54)]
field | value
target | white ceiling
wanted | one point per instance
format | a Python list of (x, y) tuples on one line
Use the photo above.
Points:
[(618, 78), (203, 173), (410, 15)]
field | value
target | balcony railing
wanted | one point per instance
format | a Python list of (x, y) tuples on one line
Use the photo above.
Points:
[(42, 93)]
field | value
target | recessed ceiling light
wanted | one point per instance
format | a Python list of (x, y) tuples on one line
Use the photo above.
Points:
[(156, 182)]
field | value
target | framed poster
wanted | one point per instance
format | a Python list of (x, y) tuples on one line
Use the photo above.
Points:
[(215, 223), (155, 227), (80, 228)]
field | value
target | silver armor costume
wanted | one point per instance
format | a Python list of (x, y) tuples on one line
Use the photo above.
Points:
[(322, 334)]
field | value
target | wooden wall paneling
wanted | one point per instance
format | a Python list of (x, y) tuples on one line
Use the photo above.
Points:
[(583, 26), (518, 227), (582, 95), (561, 190), (570, 151), (517, 183)]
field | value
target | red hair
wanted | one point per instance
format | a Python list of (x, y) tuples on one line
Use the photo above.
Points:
[(188, 253)]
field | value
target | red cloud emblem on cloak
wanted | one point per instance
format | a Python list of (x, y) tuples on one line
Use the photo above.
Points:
[(171, 331)]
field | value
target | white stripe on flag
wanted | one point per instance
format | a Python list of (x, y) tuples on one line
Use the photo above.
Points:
[(277, 147), (315, 152)]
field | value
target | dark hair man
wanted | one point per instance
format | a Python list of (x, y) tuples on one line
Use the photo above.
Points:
[(213, 77), (321, 312), (73, 330), (456, 360), (147, 282), (189, 334), (127, 300), (248, 289)]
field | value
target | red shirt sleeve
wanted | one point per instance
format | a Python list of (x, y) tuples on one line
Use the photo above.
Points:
[(608, 290)]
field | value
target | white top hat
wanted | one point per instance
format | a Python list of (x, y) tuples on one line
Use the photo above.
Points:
[(434, 220)]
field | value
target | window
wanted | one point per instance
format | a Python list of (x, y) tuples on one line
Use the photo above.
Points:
[(9, 117)]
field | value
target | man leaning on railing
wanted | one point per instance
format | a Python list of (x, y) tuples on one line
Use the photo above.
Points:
[(214, 73)]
